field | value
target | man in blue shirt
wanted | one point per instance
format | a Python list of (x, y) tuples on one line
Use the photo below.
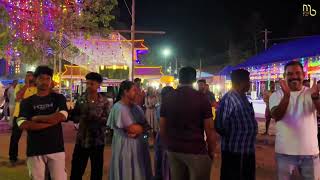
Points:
[(237, 126)]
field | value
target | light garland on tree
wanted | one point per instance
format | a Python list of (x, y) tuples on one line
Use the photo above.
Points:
[(29, 18)]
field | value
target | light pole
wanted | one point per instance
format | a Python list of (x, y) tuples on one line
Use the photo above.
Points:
[(166, 53), (133, 28)]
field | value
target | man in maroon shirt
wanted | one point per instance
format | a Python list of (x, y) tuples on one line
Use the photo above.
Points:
[(139, 100), (185, 115)]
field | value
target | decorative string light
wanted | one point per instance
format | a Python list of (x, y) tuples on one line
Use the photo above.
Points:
[(29, 17), (108, 51)]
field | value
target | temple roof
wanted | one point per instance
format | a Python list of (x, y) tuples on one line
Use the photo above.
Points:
[(74, 71)]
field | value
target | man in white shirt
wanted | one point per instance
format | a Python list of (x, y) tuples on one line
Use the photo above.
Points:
[(294, 108)]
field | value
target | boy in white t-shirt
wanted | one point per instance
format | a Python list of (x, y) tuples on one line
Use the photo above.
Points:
[(294, 108)]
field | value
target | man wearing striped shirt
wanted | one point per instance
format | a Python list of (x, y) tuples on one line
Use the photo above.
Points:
[(236, 124)]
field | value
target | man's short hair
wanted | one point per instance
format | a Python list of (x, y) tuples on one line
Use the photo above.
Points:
[(240, 75), (202, 81), (187, 75), (293, 63), (30, 72), (43, 70), (137, 80), (94, 77), (166, 90)]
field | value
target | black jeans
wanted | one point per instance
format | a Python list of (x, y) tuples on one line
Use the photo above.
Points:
[(80, 159), (236, 166), (14, 141)]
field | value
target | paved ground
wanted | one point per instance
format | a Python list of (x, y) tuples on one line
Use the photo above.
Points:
[(264, 153)]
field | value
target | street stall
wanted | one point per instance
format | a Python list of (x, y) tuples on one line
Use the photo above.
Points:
[(72, 79), (150, 75), (222, 81)]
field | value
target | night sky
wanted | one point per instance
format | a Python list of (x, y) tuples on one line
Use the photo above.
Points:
[(205, 28)]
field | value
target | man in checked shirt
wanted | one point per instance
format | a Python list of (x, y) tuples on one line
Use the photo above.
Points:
[(237, 126)]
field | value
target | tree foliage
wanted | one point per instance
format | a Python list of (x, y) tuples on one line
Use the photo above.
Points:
[(4, 31), (88, 17), (91, 16)]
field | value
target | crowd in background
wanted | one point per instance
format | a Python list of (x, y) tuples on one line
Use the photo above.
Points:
[(179, 120)]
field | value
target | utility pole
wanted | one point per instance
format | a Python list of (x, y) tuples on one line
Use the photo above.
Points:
[(255, 45), (133, 33), (133, 28), (165, 64), (176, 71), (266, 38), (265, 48), (60, 71)]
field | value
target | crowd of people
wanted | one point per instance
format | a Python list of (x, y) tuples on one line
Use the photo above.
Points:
[(180, 120)]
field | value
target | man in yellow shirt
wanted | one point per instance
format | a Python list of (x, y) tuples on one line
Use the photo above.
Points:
[(22, 92)]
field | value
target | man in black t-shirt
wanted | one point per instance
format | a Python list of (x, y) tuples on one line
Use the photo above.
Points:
[(41, 115)]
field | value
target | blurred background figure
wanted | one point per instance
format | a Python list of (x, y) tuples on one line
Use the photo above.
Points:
[(12, 99), (151, 101), (161, 165), (211, 96), (203, 87), (266, 97), (306, 83), (1, 95), (139, 99), (5, 107), (21, 91)]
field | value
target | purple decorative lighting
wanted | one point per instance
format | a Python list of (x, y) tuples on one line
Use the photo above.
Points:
[(148, 71)]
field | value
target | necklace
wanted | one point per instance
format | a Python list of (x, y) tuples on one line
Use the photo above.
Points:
[(92, 99)]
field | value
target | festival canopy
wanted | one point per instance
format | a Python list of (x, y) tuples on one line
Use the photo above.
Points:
[(226, 71), (304, 47)]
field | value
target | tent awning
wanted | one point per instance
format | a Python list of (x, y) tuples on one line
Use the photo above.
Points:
[(304, 47), (226, 71)]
